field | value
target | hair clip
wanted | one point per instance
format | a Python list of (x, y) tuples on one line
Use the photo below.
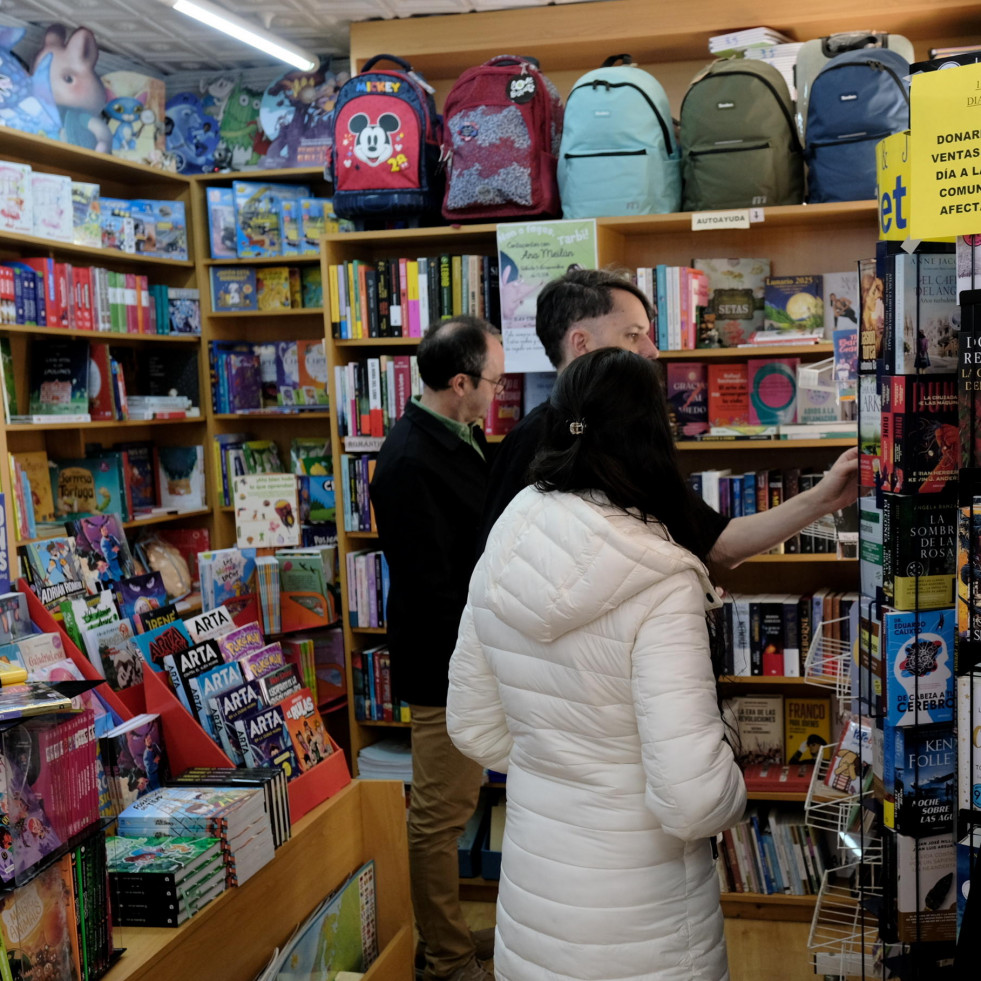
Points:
[(577, 427)]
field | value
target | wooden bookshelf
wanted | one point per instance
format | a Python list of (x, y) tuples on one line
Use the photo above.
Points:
[(233, 937)]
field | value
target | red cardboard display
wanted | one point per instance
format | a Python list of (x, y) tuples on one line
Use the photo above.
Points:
[(187, 743)]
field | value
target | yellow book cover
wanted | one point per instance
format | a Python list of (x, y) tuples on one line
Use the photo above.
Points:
[(273, 288), (334, 297), (456, 278), (806, 727), (35, 464)]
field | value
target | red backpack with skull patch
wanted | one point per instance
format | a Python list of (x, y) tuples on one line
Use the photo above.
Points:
[(503, 126), (386, 145)]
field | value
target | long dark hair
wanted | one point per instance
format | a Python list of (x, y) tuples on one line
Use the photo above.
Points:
[(606, 429)]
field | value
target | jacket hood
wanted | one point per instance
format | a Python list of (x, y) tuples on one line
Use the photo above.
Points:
[(555, 562)]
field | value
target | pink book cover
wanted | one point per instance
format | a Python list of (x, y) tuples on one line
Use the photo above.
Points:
[(772, 386)]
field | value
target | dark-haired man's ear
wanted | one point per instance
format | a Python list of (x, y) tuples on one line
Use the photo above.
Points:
[(459, 384), (578, 340)]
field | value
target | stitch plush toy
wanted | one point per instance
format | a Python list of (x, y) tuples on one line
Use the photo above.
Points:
[(77, 89)]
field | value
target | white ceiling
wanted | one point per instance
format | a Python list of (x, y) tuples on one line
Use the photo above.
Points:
[(152, 35)]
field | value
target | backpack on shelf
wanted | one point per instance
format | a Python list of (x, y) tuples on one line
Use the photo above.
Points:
[(618, 155), (386, 137), (739, 143), (503, 125), (815, 54), (857, 99)]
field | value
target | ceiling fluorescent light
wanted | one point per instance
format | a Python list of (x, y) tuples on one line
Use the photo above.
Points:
[(241, 30)]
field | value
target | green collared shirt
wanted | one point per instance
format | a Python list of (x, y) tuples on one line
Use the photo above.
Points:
[(463, 430)]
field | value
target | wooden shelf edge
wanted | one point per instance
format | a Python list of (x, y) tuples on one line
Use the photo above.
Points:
[(32, 427), (254, 314), (266, 260), (109, 336), (283, 174), (741, 353), (713, 446), (753, 906)]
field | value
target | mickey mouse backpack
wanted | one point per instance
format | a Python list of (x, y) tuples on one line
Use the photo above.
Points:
[(503, 126), (386, 137)]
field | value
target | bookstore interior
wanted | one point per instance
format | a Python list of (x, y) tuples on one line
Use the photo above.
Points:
[(212, 286)]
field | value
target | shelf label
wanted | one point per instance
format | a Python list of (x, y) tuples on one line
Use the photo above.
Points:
[(705, 220), (363, 444)]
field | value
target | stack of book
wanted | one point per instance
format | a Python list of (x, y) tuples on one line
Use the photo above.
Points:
[(161, 881), (235, 815)]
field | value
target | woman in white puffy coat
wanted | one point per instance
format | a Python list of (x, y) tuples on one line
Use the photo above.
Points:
[(583, 669)]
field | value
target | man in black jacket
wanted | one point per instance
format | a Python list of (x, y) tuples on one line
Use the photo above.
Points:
[(428, 494), (591, 308)]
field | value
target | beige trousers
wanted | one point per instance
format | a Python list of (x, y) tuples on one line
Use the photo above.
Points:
[(445, 788)]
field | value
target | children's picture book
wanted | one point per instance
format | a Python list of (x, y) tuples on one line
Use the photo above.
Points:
[(311, 744), (53, 570), (113, 651), (15, 621), (86, 212), (181, 477), (116, 221), (52, 206), (312, 372), (59, 377), (35, 464), (258, 664), (221, 222), (272, 288), (312, 288), (233, 290), (90, 485), (736, 296), (184, 310), (280, 684), (845, 343), (102, 550), (134, 758), (16, 210), (266, 508), (341, 934), (227, 577), (140, 594)]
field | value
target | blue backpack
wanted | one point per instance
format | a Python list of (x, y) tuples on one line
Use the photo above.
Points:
[(857, 98), (618, 155)]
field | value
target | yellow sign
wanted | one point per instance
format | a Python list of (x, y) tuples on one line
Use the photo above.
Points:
[(892, 179), (945, 119)]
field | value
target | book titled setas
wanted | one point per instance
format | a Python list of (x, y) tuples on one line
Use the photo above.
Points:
[(736, 292)]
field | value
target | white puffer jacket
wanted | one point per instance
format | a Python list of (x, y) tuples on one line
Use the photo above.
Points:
[(582, 669)]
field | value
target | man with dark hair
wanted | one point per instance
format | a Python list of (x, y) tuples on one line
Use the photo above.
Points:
[(428, 495), (591, 308)]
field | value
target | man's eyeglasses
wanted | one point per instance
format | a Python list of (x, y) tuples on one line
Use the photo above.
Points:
[(499, 384)]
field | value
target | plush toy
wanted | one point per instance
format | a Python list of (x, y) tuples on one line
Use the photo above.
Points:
[(77, 90), (192, 134), (26, 102), (162, 557)]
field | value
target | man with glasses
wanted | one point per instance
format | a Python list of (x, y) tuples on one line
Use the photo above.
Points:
[(591, 308), (428, 494)]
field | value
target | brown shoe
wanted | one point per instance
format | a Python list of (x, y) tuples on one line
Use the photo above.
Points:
[(473, 970), (483, 942)]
